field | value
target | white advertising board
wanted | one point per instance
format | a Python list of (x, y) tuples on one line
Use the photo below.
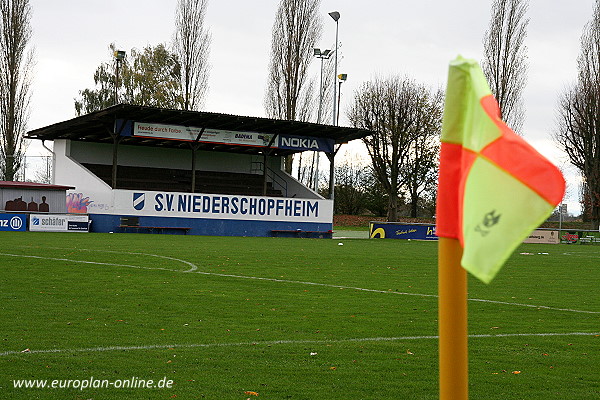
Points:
[(539, 236), (187, 133), (58, 223)]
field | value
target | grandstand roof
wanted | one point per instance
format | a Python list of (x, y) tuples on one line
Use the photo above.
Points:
[(98, 126)]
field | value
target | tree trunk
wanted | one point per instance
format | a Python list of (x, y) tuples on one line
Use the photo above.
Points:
[(414, 199), (287, 163), (393, 214), (595, 206)]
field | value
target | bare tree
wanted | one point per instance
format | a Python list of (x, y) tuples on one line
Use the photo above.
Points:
[(296, 30), (351, 185), (505, 58), (578, 130), (421, 169), (43, 171), (400, 112), (16, 64), (192, 45)]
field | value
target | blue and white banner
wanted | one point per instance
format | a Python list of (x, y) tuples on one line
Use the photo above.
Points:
[(305, 143), (221, 206), (13, 222)]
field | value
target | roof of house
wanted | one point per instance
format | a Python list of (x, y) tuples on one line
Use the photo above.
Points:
[(32, 185)]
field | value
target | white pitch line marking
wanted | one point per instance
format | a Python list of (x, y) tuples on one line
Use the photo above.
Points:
[(584, 255), (535, 306), (283, 342), (87, 262), (193, 267), (286, 280)]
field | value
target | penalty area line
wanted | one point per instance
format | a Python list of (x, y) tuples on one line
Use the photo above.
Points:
[(284, 342)]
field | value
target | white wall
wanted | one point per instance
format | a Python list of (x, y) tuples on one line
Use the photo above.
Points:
[(88, 187), (70, 155), (147, 156)]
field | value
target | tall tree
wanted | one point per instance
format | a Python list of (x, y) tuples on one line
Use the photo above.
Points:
[(102, 96), (150, 77), (16, 64), (505, 58), (376, 197), (578, 130), (421, 168), (296, 31), (402, 114), (192, 46), (351, 182), (153, 78)]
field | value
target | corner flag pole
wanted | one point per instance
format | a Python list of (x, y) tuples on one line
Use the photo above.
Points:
[(484, 167), (452, 320)]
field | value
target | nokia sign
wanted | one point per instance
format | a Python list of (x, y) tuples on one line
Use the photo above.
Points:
[(306, 143), (309, 144)]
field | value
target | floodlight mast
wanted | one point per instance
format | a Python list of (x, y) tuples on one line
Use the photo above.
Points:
[(342, 78), (323, 55), (119, 57), (336, 16)]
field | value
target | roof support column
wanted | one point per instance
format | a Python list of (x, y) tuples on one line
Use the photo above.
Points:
[(115, 155), (116, 137), (195, 147), (266, 153), (331, 157)]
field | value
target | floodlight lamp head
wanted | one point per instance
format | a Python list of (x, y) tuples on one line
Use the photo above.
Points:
[(119, 55), (335, 15), (342, 77), (317, 52), (326, 53)]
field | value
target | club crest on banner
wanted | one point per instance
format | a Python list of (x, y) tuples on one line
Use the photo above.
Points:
[(139, 201)]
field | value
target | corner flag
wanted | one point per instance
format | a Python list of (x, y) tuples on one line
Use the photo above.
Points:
[(494, 188)]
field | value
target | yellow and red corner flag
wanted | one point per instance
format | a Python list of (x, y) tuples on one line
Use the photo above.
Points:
[(494, 188)]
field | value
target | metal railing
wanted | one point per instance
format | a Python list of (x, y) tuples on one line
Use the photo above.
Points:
[(279, 183)]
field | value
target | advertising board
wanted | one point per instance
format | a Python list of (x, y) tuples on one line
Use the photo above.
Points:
[(13, 222), (58, 223), (540, 236), (390, 230)]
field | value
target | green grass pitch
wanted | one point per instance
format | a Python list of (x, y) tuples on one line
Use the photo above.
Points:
[(229, 318)]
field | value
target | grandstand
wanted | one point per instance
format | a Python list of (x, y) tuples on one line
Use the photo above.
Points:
[(144, 169)]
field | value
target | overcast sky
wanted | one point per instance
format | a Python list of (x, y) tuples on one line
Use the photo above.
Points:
[(378, 37)]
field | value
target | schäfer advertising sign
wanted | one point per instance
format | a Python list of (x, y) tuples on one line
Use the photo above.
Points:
[(58, 223)]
